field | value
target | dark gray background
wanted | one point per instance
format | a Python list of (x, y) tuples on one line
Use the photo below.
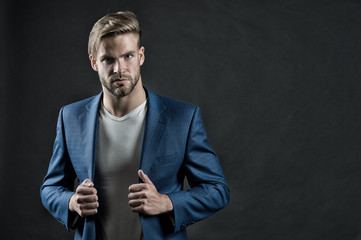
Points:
[(278, 83)]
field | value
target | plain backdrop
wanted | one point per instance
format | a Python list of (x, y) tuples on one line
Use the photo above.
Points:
[(278, 83)]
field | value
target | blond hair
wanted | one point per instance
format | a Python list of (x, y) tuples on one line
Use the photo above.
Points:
[(112, 24)]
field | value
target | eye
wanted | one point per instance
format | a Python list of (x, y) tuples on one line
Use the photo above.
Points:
[(128, 56), (108, 60)]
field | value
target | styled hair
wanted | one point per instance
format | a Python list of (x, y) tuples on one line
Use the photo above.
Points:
[(112, 24)]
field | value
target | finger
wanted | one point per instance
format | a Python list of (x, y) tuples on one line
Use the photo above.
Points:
[(137, 187), (86, 190), (86, 199), (88, 212), (138, 209), (135, 203), (144, 177), (88, 183), (89, 206), (136, 195)]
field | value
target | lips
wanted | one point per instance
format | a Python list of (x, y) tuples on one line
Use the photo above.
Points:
[(120, 81)]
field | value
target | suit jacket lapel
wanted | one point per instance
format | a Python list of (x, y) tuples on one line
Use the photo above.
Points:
[(89, 132), (155, 125)]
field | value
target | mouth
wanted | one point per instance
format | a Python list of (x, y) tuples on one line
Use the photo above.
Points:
[(120, 81)]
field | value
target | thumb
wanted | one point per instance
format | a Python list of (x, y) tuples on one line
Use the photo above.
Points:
[(87, 182), (144, 177)]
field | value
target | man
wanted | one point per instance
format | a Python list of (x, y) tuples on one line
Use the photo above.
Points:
[(102, 141)]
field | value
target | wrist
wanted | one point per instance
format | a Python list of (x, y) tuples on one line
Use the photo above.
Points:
[(168, 205), (71, 203)]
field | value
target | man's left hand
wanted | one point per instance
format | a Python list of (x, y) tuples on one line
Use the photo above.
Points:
[(144, 198)]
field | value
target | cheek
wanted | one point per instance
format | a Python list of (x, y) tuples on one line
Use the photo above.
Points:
[(104, 70), (103, 74), (135, 65)]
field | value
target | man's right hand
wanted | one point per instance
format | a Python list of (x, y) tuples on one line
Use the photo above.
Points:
[(85, 199)]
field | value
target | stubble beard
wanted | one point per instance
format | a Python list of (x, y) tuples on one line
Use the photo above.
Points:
[(123, 90)]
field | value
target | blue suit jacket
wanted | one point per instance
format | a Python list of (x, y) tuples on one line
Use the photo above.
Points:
[(175, 145)]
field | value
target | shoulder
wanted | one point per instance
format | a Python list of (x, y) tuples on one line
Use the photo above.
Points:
[(171, 104), (83, 104)]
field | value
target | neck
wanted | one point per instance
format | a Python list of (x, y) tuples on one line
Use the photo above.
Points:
[(120, 106)]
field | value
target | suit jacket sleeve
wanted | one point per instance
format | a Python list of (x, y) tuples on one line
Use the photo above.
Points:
[(58, 183), (208, 192)]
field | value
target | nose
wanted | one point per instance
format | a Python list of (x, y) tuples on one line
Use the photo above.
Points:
[(118, 67)]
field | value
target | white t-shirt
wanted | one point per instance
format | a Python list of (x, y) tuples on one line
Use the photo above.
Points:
[(118, 150)]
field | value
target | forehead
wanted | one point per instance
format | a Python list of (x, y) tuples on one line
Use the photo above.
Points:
[(119, 44)]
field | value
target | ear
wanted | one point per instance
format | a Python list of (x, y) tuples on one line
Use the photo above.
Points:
[(93, 62), (141, 55)]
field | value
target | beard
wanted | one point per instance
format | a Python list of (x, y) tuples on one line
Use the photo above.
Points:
[(122, 90)]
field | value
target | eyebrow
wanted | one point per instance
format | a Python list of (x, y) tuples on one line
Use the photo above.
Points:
[(124, 54), (129, 52), (104, 56)]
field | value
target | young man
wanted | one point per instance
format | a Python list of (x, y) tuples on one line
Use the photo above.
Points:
[(130, 150)]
